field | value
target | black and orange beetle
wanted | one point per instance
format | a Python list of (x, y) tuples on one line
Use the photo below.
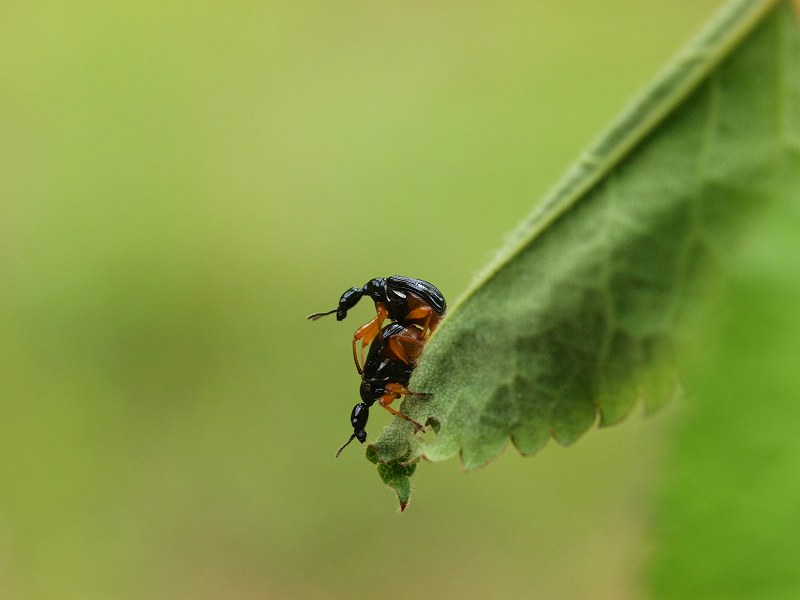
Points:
[(390, 361), (404, 300)]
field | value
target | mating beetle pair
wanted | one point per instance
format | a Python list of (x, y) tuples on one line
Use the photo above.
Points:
[(415, 308)]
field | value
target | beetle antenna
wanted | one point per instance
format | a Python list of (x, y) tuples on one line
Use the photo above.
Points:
[(339, 451), (316, 316)]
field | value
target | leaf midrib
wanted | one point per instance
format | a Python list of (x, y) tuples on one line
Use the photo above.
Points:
[(679, 79)]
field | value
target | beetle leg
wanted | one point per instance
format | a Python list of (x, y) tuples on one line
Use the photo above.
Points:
[(425, 314), (405, 348), (390, 397), (368, 332), (399, 390), (355, 359)]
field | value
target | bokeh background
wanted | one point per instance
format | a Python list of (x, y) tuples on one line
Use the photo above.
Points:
[(180, 184)]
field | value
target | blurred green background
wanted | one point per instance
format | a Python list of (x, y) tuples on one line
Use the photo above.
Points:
[(180, 184)]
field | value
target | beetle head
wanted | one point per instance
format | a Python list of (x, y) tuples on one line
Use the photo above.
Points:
[(348, 300), (376, 289), (358, 419)]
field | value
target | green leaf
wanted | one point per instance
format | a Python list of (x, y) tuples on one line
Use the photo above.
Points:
[(396, 475), (585, 309)]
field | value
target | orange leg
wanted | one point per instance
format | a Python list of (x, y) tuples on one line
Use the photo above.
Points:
[(424, 314), (405, 348), (368, 332), (399, 390), (390, 397)]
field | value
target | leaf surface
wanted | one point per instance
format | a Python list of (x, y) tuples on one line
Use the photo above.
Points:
[(582, 313)]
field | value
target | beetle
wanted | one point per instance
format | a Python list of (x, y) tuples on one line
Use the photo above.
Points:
[(404, 300), (385, 376)]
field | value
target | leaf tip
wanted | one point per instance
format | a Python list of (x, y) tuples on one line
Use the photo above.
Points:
[(397, 475)]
